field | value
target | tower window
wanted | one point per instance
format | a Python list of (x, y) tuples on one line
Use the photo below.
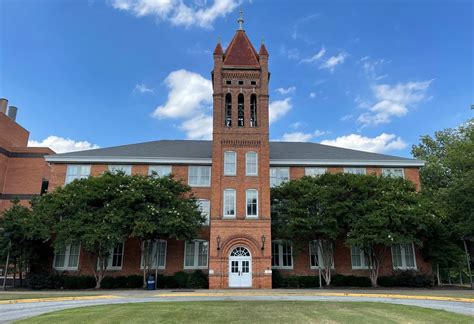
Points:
[(228, 82), (241, 82), (228, 110), (240, 110), (253, 82), (253, 110)]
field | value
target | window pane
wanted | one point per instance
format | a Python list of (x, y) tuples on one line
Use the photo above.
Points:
[(275, 254), (127, 169), (229, 202), (117, 256), (313, 172), (252, 205), (189, 256), (278, 176), (205, 207), (409, 256), (251, 163), (74, 252), (229, 163), (160, 254), (59, 258), (392, 172), (397, 256), (77, 172), (202, 257), (356, 257), (193, 176), (355, 170), (159, 170), (313, 254)]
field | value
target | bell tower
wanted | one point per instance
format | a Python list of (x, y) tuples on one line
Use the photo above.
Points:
[(240, 208)]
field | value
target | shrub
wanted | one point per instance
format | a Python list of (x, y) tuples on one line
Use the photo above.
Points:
[(133, 281), (410, 278), (197, 280), (340, 280), (279, 281), (40, 281), (181, 279), (78, 282)]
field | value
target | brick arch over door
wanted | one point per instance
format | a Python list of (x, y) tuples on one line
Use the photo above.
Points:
[(240, 240)]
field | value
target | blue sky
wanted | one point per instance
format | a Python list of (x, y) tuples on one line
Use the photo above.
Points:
[(370, 75)]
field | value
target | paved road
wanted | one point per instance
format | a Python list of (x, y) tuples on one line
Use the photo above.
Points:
[(11, 312)]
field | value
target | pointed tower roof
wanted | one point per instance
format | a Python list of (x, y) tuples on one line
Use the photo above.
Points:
[(241, 52), (218, 49), (263, 50)]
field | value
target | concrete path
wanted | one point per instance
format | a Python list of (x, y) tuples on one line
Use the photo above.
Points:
[(18, 309)]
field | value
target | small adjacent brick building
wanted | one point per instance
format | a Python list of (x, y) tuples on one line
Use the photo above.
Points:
[(24, 173), (232, 175)]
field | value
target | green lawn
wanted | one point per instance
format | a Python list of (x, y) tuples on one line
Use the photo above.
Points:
[(251, 312)]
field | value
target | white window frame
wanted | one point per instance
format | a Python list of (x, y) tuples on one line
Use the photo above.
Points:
[(363, 259), (320, 256), (280, 243), (248, 164), (355, 169), (230, 159), (315, 171), (70, 177), (253, 191), (278, 176), (111, 257), (199, 169), (126, 168), (403, 257), (67, 255), (205, 212), (388, 172), (196, 255), (234, 202), (160, 170), (154, 265)]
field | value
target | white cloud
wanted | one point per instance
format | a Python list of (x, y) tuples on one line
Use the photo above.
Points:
[(301, 136), (188, 92), (284, 91), (189, 99), (279, 108), (177, 11), (312, 94), (394, 101), (199, 127), (333, 61), (142, 88), (379, 144), (316, 57), (297, 125), (63, 145)]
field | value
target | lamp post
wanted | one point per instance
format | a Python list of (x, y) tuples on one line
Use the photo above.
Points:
[(263, 242), (218, 239)]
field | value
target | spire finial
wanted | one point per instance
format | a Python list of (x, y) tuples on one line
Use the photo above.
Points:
[(218, 39), (241, 20), (263, 40)]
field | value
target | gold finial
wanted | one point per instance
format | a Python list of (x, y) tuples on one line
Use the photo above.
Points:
[(241, 20)]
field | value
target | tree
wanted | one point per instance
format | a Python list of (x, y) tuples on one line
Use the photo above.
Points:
[(448, 181), (102, 212), (311, 209)]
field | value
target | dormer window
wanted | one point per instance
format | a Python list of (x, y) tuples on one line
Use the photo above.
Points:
[(240, 110)]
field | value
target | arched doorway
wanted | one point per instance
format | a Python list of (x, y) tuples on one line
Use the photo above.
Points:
[(240, 268)]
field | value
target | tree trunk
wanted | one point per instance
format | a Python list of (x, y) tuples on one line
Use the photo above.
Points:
[(438, 277)]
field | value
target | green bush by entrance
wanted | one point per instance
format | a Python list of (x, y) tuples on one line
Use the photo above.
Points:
[(410, 278), (279, 281)]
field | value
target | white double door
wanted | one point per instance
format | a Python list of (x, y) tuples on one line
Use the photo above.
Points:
[(240, 271)]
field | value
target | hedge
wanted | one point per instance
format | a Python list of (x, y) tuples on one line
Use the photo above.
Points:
[(339, 280), (193, 280), (45, 281), (411, 278), (278, 281)]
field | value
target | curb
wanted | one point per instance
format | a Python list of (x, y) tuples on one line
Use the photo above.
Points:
[(53, 299)]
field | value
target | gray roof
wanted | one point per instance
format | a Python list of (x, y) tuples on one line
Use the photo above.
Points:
[(291, 153)]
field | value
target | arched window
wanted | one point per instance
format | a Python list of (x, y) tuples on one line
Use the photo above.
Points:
[(253, 110), (228, 110), (240, 110)]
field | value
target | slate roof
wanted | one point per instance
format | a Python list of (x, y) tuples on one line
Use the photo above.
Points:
[(241, 52), (280, 153)]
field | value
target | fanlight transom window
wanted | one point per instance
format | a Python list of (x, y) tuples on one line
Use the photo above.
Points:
[(240, 251)]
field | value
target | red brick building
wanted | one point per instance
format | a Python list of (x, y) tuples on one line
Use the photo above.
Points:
[(232, 175), (24, 173)]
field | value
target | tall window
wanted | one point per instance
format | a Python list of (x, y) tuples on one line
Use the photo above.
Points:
[(115, 259), (199, 176), (355, 170), (393, 172), (282, 255), (359, 259), (159, 170), (314, 172), (155, 252), (229, 203), (316, 257), (68, 257), (240, 110), (75, 171), (127, 169), (251, 196), (403, 256), (251, 163), (278, 176), (228, 110), (195, 254), (205, 208), (253, 110), (230, 163)]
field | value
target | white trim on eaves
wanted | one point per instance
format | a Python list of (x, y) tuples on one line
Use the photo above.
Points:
[(204, 161)]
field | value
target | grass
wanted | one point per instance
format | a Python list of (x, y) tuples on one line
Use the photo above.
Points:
[(251, 312)]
